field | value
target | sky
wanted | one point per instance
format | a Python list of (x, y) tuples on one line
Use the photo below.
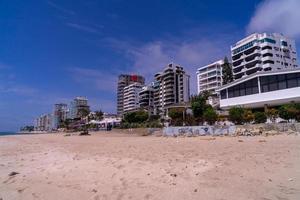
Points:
[(54, 50)]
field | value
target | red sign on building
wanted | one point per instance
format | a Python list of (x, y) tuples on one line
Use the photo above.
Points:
[(134, 78)]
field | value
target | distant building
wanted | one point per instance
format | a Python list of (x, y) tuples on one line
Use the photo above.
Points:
[(43, 123), (209, 77), (77, 105), (263, 52), (131, 97), (262, 89), (123, 81), (146, 98), (172, 86), (59, 114)]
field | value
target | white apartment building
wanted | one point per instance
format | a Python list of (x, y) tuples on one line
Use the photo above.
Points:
[(262, 89), (78, 103), (172, 86), (131, 97), (146, 98), (209, 77), (263, 52)]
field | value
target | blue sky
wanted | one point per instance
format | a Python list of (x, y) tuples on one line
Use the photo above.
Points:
[(54, 50)]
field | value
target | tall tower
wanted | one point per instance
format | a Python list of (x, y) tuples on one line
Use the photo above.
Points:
[(263, 52), (172, 86), (123, 81)]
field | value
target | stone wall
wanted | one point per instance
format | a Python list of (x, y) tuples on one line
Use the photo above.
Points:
[(233, 130)]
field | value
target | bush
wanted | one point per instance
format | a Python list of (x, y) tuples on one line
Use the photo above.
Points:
[(210, 115), (236, 115), (136, 117), (176, 115), (272, 114), (248, 116), (289, 111), (260, 117)]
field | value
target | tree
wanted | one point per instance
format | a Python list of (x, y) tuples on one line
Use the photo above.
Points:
[(227, 74), (83, 112), (141, 116), (210, 115), (260, 117), (297, 106), (136, 117), (236, 115), (176, 115), (248, 116), (99, 115), (198, 105)]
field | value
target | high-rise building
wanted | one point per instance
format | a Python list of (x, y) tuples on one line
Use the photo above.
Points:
[(131, 97), (44, 123), (209, 77), (78, 105), (172, 86), (263, 52), (123, 81), (146, 98), (59, 114)]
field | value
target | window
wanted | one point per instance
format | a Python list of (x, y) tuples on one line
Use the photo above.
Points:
[(284, 43), (243, 89), (223, 94), (230, 92), (279, 82)]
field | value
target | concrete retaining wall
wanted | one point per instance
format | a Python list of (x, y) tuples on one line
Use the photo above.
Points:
[(199, 130)]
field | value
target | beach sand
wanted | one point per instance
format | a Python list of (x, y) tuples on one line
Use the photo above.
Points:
[(119, 166)]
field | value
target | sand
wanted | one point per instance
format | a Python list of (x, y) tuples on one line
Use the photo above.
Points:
[(118, 166)]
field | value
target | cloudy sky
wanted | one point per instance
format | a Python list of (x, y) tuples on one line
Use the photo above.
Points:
[(54, 50)]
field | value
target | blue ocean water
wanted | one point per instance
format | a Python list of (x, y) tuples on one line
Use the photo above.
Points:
[(8, 133)]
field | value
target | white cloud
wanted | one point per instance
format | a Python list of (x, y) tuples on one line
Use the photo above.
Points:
[(281, 16), (150, 58), (99, 79), (84, 28), (60, 8)]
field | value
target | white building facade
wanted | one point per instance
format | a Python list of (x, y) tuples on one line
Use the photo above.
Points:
[(171, 86), (262, 89), (76, 105), (146, 98), (209, 77), (131, 97), (263, 52)]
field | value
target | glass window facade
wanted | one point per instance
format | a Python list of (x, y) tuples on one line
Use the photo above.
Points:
[(246, 88), (267, 84), (279, 82)]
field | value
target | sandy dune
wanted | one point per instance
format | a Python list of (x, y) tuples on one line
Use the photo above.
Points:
[(114, 166)]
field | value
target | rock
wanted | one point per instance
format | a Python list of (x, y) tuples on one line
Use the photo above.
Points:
[(13, 173), (262, 141), (195, 190), (240, 140), (174, 175)]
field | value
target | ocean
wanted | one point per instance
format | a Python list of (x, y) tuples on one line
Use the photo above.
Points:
[(8, 133)]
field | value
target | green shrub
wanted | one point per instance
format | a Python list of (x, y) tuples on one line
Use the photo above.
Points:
[(288, 111), (248, 116), (260, 117), (236, 115), (210, 115)]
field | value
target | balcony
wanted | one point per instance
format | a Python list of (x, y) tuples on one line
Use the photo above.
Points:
[(267, 58)]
